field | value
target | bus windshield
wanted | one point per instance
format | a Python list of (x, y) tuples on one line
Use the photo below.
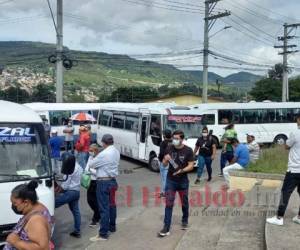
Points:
[(23, 152), (190, 124)]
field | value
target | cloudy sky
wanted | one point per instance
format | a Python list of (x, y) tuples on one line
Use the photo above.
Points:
[(139, 27)]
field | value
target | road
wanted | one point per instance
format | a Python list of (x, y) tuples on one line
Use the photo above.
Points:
[(141, 208)]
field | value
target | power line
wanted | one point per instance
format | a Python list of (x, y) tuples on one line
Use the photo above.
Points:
[(52, 15)]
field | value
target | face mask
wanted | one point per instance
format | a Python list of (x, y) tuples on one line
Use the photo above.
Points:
[(176, 142), (205, 134), (15, 209), (92, 154)]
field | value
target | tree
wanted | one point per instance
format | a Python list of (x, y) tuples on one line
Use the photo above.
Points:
[(277, 71), (43, 93), (267, 89)]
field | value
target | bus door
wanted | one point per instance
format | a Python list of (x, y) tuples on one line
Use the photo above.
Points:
[(143, 135)]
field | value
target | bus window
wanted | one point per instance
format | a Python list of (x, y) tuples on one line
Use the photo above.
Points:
[(118, 120), (238, 116), (208, 119), (225, 116), (132, 122), (106, 118), (143, 129), (155, 129), (250, 116), (59, 118)]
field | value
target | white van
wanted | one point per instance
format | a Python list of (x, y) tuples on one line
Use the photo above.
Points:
[(24, 156)]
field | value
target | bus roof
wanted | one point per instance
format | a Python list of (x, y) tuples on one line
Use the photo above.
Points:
[(249, 105), (41, 106), (17, 113)]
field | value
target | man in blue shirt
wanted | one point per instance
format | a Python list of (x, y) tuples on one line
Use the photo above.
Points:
[(55, 143), (240, 161)]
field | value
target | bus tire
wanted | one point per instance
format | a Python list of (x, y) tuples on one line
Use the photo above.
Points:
[(154, 163), (280, 139)]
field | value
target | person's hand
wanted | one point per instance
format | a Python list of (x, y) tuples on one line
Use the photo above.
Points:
[(180, 171), (12, 238), (168, 157)]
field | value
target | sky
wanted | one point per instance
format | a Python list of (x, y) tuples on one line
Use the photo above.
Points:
[(173, 28)]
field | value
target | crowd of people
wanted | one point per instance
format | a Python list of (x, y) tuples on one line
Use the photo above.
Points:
[(33, 231)]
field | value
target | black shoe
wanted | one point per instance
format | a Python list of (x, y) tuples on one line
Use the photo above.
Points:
[(164, 232), (113, 229), (75, 234), (220, 174), (197, 181), (209, 179), (184, 225)]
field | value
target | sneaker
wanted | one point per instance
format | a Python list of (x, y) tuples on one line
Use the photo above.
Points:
[(184, 225), (275, 221), (112, 229), (98, 238), (164, 232), (296, 219), (93, 224), (75, 234), (197, 181), (220, 175)]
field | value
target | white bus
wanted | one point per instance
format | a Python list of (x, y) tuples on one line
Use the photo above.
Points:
[(270, 122), (58, 115), (137, 128), (24, 156)]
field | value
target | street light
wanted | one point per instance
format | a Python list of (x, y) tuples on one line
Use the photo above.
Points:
[(225, 28)]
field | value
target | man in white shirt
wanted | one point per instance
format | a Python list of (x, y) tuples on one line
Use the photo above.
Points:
[(292, 177), (91, 192), (106, 164), (70, 193), (253, 147)]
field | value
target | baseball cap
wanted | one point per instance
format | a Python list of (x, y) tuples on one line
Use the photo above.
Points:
[(251, 135), (53, 131), (107, 139)]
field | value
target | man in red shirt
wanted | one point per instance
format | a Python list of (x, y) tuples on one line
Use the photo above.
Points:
[(82, 146)]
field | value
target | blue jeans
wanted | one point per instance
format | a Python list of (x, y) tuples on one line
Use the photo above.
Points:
[(204, 161), (71, 198), (183, 189), (106, 197), (226, 157), (163, 177), (81, 157)]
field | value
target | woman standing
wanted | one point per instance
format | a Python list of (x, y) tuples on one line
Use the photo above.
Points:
[(33, 230)]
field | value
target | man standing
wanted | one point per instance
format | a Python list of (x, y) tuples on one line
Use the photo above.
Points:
[(207, 153), (69, 193), (180, 159), (82, 146), (91, 192), (253, 147), (47, 127), (162, 151), (227, 149), (292, 177), (55, 143), (69, 137), (106, 164), (240, 161)]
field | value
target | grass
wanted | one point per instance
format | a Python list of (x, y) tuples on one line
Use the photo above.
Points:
[(272, 160)]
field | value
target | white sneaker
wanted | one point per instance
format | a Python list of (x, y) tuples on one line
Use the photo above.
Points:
[(275, 221), (296, 219), (98, 238)]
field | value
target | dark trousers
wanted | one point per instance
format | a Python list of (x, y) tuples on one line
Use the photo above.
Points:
[(69, 146), (291, 181), (226, 157), (204, 161), (106, 197), (183, 190), (92, 200)]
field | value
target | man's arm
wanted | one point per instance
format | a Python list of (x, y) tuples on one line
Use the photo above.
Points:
[(290, 142), (214, 151)]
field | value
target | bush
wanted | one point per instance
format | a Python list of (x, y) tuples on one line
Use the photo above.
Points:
[(272, 160)]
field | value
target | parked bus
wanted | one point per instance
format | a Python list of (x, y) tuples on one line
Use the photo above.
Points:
[(138, 128), (24, 156), (58, 115), (270, 122)]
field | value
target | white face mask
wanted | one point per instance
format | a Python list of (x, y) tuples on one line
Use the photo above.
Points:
[(92, 154), (176, 142), (205, 134)]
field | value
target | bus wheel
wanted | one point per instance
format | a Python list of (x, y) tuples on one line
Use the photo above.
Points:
[(154, 164), (280, 139)]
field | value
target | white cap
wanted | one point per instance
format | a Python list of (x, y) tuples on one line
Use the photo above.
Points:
[(53, 131)]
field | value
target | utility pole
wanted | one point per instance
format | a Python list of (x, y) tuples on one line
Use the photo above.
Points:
[(288, 28), (59, 52), (209, 21)]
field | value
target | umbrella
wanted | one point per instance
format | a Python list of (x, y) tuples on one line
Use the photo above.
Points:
[(82, 117)]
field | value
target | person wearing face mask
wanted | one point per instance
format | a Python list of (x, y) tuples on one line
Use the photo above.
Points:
[(33, 230), (69, 137), (180, 159), (207, 152), (240, 161), (91, 192)]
